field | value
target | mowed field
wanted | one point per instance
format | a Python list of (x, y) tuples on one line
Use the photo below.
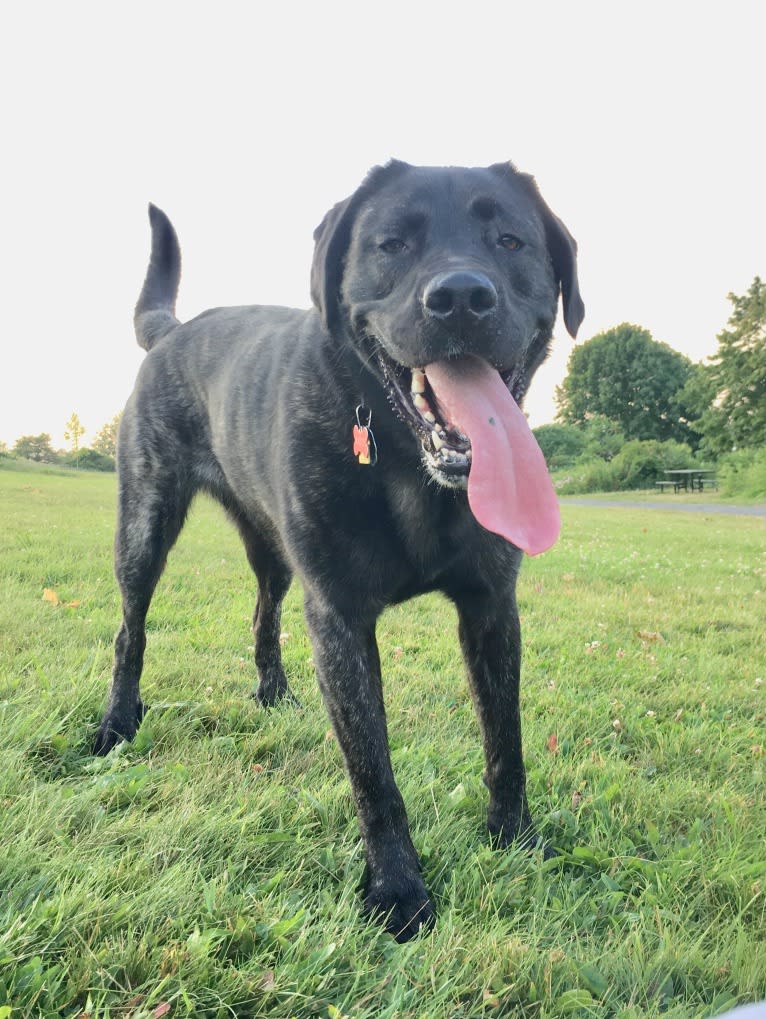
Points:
[(211, 868)]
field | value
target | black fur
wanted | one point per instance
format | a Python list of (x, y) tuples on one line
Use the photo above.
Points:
[(255, 405)]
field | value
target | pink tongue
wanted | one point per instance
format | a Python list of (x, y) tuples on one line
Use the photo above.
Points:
[(509, 488)]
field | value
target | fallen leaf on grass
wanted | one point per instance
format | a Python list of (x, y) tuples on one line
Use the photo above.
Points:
[(162, 1009), (651, 636), (268, 981), (576, 799), (50, 596), (458, 798), (552, 743), (490, 998)]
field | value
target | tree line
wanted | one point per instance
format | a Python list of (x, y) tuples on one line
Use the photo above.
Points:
[(636, 404), (98, 456)]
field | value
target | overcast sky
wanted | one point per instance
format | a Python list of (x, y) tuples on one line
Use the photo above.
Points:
[(643, 123)]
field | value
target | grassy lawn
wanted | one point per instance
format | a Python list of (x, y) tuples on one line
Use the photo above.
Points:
[(211, 868), (655, 497)]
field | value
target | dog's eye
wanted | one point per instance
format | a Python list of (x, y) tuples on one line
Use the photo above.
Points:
[(392, 246), (510, 242)]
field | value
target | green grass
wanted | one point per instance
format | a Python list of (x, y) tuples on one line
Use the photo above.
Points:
[(655, 497), (212, 866)]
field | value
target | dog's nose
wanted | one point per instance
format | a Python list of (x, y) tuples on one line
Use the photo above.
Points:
[(460, 295)]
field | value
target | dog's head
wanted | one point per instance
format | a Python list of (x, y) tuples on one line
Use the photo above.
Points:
[(440, 274)]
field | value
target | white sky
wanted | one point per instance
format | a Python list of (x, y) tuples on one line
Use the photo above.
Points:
[(643, 123)]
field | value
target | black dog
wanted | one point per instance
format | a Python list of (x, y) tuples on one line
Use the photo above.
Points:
[(375, 448)]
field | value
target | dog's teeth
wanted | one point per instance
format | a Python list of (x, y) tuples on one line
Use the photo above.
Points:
[(421, 403), (436, 439), (418, 384), (430, 417)]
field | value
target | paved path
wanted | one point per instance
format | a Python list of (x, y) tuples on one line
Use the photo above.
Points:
[(757, 510)]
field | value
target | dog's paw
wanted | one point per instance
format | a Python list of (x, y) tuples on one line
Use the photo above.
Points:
[(525, 836), (402, 910), (268, 696), (115, 729)]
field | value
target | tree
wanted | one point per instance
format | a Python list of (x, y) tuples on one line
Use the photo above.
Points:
[(696, 398), (603, 437), (73, 432), (737, 375), (35, 447), (630, 378), (106, 438)]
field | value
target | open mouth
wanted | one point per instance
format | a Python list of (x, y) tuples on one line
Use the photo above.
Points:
[(475, 436), (446, 450)]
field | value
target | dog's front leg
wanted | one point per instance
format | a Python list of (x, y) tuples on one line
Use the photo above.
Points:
[(490, 637), (348, 668)]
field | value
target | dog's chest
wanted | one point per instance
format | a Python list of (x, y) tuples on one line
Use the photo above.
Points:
[(434, 529)]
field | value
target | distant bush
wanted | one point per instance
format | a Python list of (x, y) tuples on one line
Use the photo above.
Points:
[(637, 465), (88, 460), (561, 444), (743, 473)]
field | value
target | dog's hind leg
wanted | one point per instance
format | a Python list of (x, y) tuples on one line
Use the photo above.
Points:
[(274, 577), (150, 519)]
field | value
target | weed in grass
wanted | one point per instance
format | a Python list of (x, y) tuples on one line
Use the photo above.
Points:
[(211, 867)]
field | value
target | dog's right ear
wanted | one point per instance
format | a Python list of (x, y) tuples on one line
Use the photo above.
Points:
[(331, 241)]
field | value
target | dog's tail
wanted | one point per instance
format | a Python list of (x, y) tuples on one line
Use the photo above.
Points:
[(155, 311)]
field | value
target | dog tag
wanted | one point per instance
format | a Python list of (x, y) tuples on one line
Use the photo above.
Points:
[(365, 449)]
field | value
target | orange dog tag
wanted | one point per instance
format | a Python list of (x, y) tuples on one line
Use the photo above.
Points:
[(362, 444), (365, 449)]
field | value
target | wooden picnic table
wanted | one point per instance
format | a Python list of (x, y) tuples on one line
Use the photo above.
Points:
[(689, 478)]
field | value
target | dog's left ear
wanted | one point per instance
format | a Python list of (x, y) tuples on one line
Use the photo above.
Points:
[(331, 241), (561, 245), (563, 249)]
